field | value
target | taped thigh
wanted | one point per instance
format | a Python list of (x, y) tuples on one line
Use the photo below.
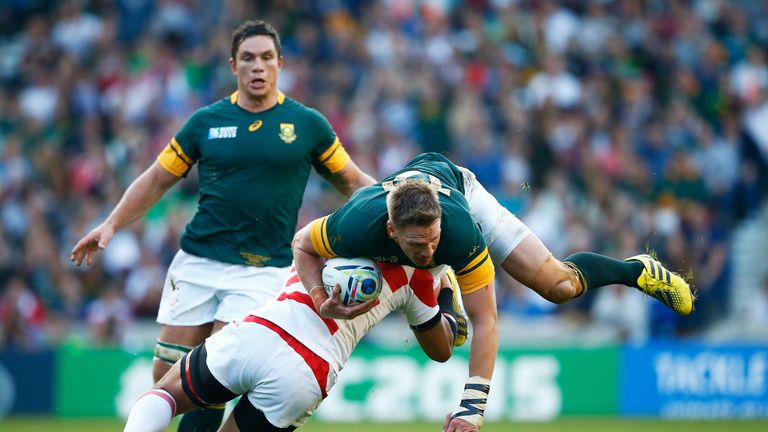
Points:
[(170, 353)]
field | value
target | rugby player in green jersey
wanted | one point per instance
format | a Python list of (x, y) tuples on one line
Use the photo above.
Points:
[(450, 219), (254, 150)]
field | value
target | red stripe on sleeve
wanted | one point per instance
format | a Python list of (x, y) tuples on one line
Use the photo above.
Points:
[(422, 284), (394, 274), (305, 299), (293, 279)]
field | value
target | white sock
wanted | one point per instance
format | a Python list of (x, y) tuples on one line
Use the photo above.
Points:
[(151, 412)]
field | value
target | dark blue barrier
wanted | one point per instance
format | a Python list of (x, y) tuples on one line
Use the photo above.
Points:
[(26, 382), (694, 381)]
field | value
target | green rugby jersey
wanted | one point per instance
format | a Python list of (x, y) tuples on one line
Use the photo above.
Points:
[(253, 170), (359, 228)]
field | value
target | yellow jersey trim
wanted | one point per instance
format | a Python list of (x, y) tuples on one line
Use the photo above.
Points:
[(336, 157), (173, 159), (280, 97), (319, 236), (477, 274)]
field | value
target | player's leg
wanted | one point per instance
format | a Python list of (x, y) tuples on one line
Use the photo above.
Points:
[(516, 249), (524, 257), (205, 418), (154, 409), (532, 265), (250, 418), (187, 314), (281, 386), (239, 290), (173, 343)]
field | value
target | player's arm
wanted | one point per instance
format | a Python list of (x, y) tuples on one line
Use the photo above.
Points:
[(309, 267), (437, 340), (480, 306), (475, 277), (140, 196), (335, 165), (349, 179)]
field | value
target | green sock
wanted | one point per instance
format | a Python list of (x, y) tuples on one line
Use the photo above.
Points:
[(600, 270), (202, 420)]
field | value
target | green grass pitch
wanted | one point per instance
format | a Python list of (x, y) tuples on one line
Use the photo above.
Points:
[(562, 425)]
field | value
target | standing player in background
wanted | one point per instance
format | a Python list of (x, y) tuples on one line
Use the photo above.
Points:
[(432, 213), (284, 384), (254, 150)]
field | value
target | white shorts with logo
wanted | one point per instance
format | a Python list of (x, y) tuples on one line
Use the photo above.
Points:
[(502, 230), (250, 358), (200, 290)]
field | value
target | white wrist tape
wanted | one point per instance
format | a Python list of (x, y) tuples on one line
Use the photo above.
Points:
[(473, 400)]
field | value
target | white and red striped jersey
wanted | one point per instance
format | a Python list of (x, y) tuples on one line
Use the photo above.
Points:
[(406, 288)]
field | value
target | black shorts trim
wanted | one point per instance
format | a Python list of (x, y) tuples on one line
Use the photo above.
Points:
[(435, 320), (250, 418), (202, 388)]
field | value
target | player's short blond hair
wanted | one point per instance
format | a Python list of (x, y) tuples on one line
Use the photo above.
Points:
[(413, 202)]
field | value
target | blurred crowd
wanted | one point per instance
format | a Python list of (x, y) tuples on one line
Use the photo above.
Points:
[(616, 126)]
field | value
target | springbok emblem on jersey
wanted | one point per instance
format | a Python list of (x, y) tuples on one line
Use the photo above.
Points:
[(287, 133)]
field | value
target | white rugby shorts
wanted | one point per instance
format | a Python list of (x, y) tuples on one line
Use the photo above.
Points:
[(283, 381), (502, 231), (200, 290)]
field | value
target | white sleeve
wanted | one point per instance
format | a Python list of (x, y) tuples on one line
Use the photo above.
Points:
[(416, 312)]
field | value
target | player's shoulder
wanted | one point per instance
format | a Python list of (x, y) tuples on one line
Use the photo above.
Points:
[(215, 108), (302, 112)]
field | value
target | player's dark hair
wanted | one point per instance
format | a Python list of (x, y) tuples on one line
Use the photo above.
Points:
[(255, 28), (413, 202)]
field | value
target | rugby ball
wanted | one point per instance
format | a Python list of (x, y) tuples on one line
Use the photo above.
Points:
[(360, 279)]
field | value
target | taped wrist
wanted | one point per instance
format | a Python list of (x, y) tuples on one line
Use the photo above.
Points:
[(473, 401)]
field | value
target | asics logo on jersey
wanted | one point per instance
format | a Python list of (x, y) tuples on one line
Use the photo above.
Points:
[(222, 132), (255, 126)]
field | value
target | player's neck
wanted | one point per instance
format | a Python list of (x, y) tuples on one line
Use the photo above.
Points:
[(255, 103)]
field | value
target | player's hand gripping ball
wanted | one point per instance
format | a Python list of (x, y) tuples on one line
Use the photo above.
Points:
[(360, 279)]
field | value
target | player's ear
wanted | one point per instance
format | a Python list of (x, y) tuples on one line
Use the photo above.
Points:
[(390, 230)]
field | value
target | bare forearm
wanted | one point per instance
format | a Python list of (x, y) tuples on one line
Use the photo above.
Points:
[(140, 196), (482, 356), (309, 268), (481, 310), (350, 179), (309, 265)]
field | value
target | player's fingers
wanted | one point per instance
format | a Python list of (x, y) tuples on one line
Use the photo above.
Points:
[(362, 308), (446, 422)]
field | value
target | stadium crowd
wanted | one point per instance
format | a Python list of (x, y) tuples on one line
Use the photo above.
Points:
[(606, 125)]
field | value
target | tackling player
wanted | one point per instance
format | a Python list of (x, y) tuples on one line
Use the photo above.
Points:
[(433, 212), (254, 150), (285, 382)]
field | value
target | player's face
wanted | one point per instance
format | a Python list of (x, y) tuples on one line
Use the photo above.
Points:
[(256, 67), (418, 243)]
